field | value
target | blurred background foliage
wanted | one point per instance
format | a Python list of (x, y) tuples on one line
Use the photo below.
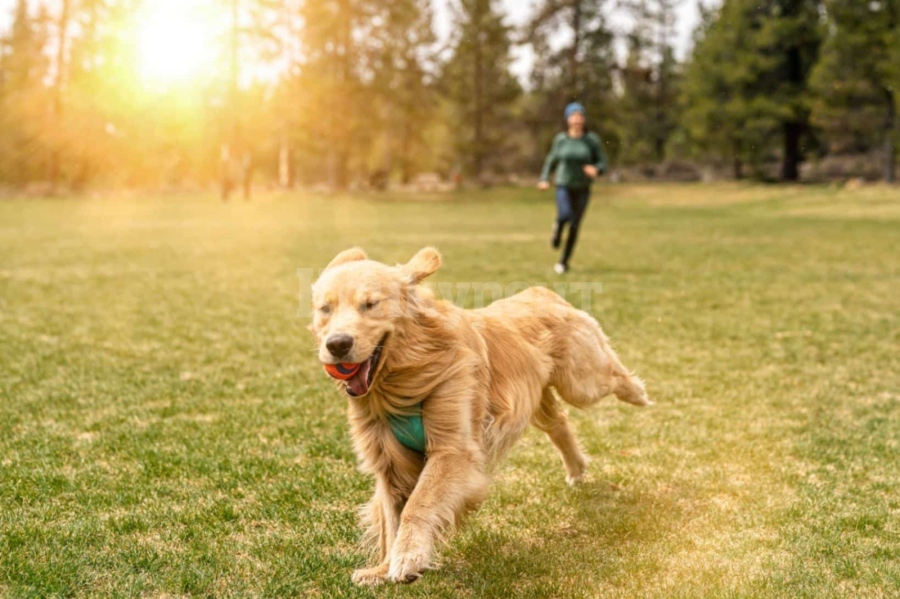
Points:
[(365, 94)]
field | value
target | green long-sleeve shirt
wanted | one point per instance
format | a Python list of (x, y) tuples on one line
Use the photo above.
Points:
[(569, 156)]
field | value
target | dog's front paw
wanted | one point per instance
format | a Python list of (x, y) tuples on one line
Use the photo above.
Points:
[(408, 567), (370, 577), (574, 480), (575, 470)]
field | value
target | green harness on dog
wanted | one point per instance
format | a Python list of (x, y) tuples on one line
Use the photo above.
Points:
[(409, 430)]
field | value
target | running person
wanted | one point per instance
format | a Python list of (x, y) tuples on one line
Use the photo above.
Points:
[(577, 156)]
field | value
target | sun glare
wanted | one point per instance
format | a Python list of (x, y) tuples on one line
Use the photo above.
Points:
[(176, 41)]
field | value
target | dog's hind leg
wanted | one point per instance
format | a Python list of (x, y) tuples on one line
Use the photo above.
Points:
[(630, 389), (588, 369), (553, 421)]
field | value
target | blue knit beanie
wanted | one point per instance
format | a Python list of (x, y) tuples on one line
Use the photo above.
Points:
[(573, 108)]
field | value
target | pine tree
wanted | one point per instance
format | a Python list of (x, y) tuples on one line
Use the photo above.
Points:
[(250, 40), (748, 80), (650, 80), (332, 80), (90, 93), (720, 78), (23, 64), (581, 70), (22, 95), (792, 36), (478, 82), (857, 102), (402, 84), (287, 27), (60, 70)]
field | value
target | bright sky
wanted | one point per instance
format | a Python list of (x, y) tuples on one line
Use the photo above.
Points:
[(518, 11)]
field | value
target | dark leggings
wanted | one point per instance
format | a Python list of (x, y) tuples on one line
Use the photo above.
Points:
[(571, 204)]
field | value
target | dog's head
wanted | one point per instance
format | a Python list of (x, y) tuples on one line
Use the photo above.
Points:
[(358, 303)]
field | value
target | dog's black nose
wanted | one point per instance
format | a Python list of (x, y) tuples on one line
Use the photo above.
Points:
[(339, 345)]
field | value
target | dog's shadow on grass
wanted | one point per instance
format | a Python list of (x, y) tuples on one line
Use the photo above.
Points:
[(569, 537)]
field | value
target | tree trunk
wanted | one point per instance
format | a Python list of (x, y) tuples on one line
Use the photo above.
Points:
[(231, 149), (340, 173), (394, 127), (406, 161), (737, 164), (341, 154), (793, 129), (574, 87), (889, 169), (479, 97), (889, 138), (247, 174), (225, 172), (59, 80), (286, 162), (661, 90), (790, 168)]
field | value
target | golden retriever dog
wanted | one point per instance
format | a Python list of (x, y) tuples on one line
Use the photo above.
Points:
[(475, 378)]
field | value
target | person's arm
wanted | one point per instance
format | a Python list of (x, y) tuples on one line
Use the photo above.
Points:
[(602, 164), (551, 162)]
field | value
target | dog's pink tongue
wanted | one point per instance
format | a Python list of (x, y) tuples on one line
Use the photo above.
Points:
[(359, 384)]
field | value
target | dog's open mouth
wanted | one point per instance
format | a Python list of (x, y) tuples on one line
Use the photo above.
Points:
[(359, 383)]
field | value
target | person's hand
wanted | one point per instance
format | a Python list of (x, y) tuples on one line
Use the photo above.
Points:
[(590, 170), (543, 185)]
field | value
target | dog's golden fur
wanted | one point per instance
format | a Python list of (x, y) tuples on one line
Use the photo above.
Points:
[(480, 376)]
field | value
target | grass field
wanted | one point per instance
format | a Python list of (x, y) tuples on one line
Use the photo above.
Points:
[(166, 430)]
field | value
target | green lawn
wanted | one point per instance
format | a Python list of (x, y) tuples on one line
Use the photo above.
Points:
[(165, 428)]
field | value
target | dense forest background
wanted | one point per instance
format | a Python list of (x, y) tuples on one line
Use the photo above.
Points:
[(361, 93)]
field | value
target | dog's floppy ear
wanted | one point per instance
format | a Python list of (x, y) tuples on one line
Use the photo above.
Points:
[(351, 255), (422, 265)]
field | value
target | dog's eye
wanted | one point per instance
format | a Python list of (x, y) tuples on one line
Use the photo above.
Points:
[(326, 309), (370, 305)]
